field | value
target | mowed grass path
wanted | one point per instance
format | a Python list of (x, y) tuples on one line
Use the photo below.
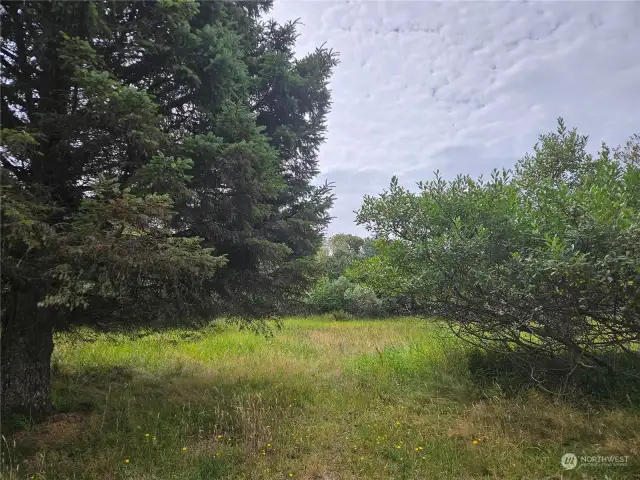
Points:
[(318, 400)]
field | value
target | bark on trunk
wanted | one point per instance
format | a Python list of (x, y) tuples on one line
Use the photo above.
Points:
[(27, 344)]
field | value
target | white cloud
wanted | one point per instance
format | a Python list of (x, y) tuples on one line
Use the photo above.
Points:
[(464, 87)]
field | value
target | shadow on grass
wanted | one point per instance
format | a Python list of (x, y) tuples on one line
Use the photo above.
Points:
[(517, 371), (69, 400), (111, 410), (94, 388)]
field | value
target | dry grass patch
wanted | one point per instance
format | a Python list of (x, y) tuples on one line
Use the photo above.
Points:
[(351, 341), (58, 429)]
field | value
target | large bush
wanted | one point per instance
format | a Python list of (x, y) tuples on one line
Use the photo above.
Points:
[(328, 295), (342, 295), (544, 259), (392, 275), (362, 301)]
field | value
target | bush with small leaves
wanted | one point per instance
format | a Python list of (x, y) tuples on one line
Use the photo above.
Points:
[(545, 259)]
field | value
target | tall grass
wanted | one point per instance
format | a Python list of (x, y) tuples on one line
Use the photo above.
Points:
[(319, 399)]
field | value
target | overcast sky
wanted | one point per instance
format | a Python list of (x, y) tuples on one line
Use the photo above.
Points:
[(464, 87)]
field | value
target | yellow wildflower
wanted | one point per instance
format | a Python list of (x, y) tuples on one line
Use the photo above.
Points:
[(475, 442), (184, 449), (126, 460)]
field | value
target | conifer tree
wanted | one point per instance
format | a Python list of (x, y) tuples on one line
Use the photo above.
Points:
[(157, 164)]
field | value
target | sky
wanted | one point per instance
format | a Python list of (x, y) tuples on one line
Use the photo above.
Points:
[(463, 87)]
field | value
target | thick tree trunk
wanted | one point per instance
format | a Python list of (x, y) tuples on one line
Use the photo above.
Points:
[(27, 344)]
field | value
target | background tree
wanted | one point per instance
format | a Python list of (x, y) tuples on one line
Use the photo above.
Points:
[(340, 251), (146, 174), (545, 261), (393, 273), (335, 292)]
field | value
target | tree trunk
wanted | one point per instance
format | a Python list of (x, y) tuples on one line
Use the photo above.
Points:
[(27, 344)]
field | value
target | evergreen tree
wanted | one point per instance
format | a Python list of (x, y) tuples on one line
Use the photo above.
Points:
[(157, 161)]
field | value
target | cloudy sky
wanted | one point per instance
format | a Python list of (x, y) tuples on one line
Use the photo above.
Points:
[(464, 87)]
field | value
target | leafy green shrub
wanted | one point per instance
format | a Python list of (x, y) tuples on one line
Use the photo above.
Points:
[(545, 259), (362, 301), (328, 295), (343, 295)]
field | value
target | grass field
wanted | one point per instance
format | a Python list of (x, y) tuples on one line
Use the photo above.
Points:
[(318, 400)]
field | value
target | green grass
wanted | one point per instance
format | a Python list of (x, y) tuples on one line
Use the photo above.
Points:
[(318, 400)]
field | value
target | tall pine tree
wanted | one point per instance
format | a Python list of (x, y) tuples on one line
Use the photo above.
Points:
[(157, 160)]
